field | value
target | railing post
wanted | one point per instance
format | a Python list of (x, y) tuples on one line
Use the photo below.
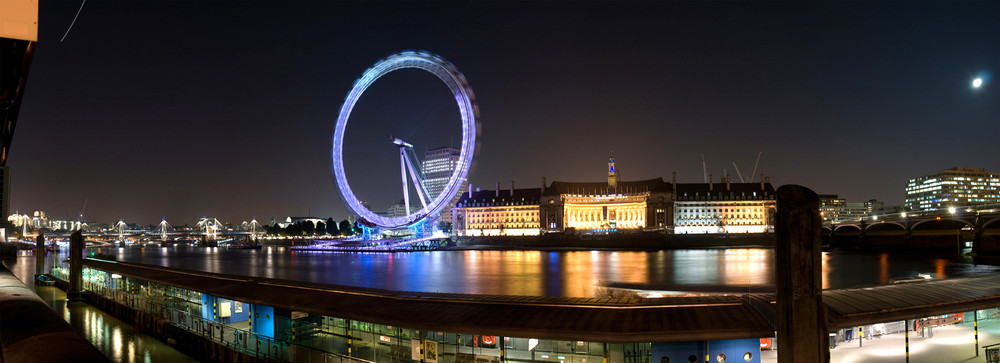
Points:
[(906, 337), (801, 315), (975, 327)]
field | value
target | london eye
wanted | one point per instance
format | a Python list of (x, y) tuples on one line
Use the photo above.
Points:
[(430, 205)]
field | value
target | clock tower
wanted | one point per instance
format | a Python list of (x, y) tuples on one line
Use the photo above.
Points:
[(612, 173)]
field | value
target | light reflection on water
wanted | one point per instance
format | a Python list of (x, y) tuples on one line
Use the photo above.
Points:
[(544, 273), (118, 340)]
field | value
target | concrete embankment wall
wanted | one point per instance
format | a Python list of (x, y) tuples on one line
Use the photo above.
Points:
[(193, 345), (30, 331)]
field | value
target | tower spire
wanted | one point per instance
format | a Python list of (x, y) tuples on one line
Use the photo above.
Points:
[(612, 173)]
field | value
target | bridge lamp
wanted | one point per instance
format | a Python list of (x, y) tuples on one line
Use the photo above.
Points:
[(951, 210), (903, 214)]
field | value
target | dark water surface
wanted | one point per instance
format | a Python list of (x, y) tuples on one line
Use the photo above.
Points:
[(545, 273)]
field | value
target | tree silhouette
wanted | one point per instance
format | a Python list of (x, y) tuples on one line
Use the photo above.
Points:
[(308, 228), (345, 228), (294, 229), (331, 227)]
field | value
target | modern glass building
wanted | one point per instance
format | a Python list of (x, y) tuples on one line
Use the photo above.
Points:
[(952, 188), (437, 166)]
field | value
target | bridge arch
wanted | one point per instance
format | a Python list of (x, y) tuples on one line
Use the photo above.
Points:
[(948, 223), (885, 226), (991, 223), (847, 228)]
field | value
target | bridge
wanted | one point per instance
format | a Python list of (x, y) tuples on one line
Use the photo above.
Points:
[(952, 229), (208, 232)]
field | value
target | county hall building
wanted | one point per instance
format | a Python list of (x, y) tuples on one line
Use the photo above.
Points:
[(617, 206)]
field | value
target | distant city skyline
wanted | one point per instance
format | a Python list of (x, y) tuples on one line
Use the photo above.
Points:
[(226, 109)]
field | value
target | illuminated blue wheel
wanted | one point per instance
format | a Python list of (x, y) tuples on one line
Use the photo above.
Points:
[(467, 108)]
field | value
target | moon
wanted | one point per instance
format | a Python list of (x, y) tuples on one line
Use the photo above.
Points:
[(976, 83)]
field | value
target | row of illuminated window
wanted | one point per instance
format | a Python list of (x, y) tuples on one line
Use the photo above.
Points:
[(503, 210), (502, 224), (753, 209), (484, 204), (725, 217), (955, 188), (712, 223), (976, 179), (438, 168), (498, 216), (725, 198), (724, 203), (947, 197)]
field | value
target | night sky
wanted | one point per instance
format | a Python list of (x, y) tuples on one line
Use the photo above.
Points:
[(226, 109)]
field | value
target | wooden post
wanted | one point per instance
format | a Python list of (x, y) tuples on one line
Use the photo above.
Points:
[(75, 292), (801, 314)]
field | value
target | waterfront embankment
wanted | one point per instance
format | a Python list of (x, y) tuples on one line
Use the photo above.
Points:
[(30, 331)]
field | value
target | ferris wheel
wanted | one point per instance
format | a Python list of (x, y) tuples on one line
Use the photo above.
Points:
[(430, 205)]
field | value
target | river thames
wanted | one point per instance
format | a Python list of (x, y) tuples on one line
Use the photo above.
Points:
[(548, 273)]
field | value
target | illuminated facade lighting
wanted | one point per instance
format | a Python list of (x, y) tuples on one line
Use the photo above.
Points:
[(606, 207), (724, 208), (497, 213)]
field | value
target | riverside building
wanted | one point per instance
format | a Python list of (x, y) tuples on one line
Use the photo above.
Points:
[(599, 207), (512, 212), (835, 210), (615, 206), (952, 188), (725, 207)]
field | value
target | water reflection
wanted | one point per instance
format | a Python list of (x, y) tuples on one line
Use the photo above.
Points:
[(545, 273)]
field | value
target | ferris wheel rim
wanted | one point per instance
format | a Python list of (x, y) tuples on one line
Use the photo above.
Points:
[(468, 110)]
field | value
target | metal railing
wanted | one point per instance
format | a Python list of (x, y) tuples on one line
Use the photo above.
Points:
[(239, 340)]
